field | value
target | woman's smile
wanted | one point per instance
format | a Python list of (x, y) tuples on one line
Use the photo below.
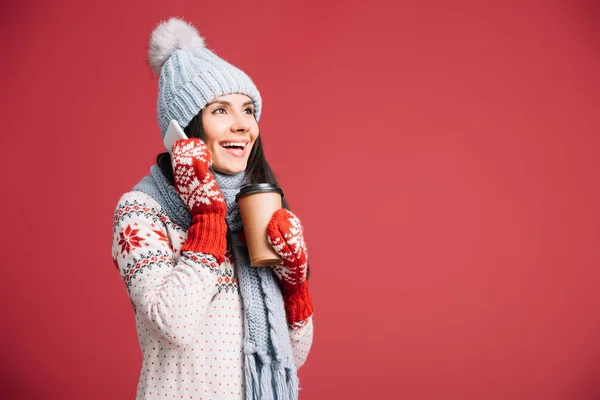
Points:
[(235, 148)]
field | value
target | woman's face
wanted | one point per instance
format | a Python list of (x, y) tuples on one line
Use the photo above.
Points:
[(230, 131)]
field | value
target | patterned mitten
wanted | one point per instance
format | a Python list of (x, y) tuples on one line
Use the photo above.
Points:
[(285, 234), (197, 187)]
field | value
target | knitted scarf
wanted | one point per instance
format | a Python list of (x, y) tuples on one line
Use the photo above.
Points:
[(269, 369)]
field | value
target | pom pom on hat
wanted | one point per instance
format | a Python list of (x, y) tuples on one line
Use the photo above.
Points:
[(169, 36)]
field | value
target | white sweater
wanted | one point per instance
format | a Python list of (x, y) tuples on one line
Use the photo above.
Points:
[(188, 309)]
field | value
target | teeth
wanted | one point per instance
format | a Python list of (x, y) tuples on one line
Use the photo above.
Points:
[(232, 144)]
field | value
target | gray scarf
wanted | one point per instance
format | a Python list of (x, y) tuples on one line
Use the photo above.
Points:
[(269, 369)]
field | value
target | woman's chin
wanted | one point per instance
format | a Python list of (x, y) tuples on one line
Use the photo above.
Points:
[(228, 169)]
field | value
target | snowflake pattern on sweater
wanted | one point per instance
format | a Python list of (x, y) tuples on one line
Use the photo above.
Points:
[(188, 308)]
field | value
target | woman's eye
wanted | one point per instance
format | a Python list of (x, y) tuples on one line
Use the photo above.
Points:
[(219, 110), (249, 110)]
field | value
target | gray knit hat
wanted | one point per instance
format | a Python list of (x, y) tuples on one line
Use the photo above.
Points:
[(190, 75)]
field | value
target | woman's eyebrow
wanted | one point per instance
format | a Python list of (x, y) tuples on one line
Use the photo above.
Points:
[(225, 103)]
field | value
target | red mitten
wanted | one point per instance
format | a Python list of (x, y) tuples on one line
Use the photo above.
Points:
[(197, 187), (285, 234)]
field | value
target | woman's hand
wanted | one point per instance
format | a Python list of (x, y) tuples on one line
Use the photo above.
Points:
[(194, 182), (198, 189), (286, 235)]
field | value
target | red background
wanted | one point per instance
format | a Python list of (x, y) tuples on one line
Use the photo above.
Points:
[(441, 155)]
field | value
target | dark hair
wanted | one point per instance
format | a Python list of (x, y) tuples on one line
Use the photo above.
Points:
[(257, 170)]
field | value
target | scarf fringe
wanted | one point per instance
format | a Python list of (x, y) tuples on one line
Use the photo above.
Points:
[(293, 384), (269, 380)]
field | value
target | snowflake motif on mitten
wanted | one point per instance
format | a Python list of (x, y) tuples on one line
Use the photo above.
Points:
[(197, 187), (286, 235), (193, 180)]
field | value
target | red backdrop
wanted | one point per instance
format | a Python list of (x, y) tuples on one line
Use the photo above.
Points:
[(441, 155)]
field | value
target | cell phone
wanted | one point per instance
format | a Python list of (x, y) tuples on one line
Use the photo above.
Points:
[(173, 134)]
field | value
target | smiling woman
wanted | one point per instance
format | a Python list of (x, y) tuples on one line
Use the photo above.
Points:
[(179, 245)]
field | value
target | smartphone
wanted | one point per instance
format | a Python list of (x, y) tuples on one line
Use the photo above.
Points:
[(174, 133)]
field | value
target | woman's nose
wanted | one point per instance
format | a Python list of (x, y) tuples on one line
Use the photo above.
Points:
[(240, 126)]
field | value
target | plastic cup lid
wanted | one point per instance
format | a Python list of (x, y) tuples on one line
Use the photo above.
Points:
[(253, 188)]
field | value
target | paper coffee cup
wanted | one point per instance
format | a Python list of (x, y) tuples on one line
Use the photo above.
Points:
[(257, 203)]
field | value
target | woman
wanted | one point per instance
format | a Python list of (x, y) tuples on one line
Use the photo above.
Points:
[(209, 324)]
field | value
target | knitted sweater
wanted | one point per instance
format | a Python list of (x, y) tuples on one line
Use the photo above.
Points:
[(188, 310)]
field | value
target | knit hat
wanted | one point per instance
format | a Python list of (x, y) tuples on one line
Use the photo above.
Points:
[(190, 75)]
